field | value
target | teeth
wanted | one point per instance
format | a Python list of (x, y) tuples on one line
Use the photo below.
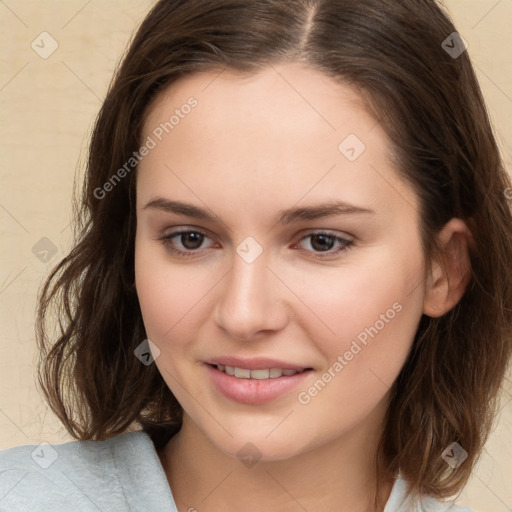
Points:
[(260, 374), (275, 372), (263, 374), (242, 373)]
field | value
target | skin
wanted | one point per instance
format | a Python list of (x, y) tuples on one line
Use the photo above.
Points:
[(253, 146)]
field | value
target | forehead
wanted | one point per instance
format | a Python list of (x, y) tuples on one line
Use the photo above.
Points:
[(287, 130), (290, 97)]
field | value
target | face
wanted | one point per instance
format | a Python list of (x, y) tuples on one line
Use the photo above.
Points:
[(274, 233)]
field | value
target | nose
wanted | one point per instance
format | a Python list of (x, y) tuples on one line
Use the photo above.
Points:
[(252, 300)]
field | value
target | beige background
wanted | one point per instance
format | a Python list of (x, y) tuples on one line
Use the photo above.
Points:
[(48, 107)]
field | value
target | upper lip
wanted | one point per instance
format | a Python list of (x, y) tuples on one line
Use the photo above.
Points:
[(255, 363)]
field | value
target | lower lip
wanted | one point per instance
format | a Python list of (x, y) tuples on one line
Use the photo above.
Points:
[(254, 391)]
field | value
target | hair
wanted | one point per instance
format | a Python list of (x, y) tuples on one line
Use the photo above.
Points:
[(431, 108)]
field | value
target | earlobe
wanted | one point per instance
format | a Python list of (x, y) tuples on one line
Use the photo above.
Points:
[(451, 272)]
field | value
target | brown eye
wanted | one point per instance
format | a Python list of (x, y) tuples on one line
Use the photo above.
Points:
[(191, 239), (188, 242), (323, 242)]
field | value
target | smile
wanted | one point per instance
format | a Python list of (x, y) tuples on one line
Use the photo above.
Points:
[(259, 374), (256, 386)]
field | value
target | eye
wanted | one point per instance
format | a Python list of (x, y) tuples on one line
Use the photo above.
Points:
[(324, 241), (190, 240)]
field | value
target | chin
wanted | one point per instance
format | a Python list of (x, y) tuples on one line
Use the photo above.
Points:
[(252, 445)]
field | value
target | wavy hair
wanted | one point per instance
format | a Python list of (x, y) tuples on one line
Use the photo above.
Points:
[(428, 101)]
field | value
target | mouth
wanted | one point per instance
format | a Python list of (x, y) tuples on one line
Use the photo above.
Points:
[(256, 386), (258, 374)]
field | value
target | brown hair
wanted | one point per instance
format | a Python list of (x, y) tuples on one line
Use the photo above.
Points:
[(430, 105)]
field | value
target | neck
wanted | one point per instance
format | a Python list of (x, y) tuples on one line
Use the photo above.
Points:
[(339, 476)]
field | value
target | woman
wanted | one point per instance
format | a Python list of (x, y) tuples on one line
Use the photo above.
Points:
[(293, 271)]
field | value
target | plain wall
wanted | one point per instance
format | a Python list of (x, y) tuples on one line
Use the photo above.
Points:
[(48, 107)]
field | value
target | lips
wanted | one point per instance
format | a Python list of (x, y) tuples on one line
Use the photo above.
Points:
[(255, 381)]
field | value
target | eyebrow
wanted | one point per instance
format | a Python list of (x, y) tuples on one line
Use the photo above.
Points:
[(285, 217)]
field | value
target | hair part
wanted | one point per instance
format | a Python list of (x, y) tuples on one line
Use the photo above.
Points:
[(431, 108)]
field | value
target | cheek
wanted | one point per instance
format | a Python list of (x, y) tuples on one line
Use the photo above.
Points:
[(365, 320), (374, 328), (158, 299), (170, 295)]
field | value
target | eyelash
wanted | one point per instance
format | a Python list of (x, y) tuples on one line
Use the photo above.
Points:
[(166, 241)]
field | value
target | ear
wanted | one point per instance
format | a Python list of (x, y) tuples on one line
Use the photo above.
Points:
[(449, 277)]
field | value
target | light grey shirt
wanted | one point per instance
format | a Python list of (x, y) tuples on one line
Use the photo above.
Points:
[(121, 474)]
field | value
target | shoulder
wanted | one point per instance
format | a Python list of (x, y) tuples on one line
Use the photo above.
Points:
[(398, 502), (80, 475)]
